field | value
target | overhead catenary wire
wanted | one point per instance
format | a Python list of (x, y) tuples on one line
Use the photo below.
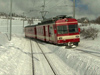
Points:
[(52, 7), (48, 7)]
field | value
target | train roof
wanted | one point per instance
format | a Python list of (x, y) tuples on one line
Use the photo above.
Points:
[(31, 26), (51, 20), (54, 19)]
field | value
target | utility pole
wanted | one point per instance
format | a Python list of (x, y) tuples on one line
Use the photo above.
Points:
[(7, 24), (10, 20), (43, 12), (23, 21), (74, 8)]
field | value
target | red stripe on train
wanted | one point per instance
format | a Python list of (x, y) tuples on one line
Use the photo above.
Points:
[(68, 40)]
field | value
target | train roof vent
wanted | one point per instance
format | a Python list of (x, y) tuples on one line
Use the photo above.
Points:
[(61, 16), (69, 17)]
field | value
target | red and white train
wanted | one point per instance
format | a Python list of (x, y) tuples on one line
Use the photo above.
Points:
[(57, 30)]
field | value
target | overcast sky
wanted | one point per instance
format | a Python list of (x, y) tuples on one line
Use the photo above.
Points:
[(83, 8)]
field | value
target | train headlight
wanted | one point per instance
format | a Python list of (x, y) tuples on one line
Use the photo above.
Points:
[(60, 38), (66, 20), (77, 36)]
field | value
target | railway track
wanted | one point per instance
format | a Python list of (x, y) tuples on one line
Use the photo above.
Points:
[(46, 59), (46, 63), (33, 67), (32, 58), (90, 52), (43, 55)]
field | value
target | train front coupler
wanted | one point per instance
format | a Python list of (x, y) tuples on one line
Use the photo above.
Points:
[(70, 45)]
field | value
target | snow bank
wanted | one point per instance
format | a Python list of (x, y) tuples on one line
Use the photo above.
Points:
[(15, 56), (91, 44), (82, 63), (3, 39)]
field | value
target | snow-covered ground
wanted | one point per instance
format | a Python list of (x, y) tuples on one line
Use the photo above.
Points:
[(17, 25), (15, 55), (13, 60)]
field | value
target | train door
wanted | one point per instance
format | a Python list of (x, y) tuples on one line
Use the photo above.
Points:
[(51, 33), (47, 32), (44, 34), (35, 33)]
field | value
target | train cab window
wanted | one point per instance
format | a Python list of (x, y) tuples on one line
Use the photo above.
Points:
[(73, 28), (62, 29)]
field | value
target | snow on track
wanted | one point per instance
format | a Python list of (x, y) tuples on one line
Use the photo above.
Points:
[(41, 66), (91, 52), (82, 63), (58, 65), (16, 59)]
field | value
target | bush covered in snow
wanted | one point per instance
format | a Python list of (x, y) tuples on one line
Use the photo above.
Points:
[(89, 32)]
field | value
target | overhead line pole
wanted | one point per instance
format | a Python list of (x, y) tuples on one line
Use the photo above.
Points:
[(10, 20), (23, 21), (74, 8), (44, 5), (43, 12)]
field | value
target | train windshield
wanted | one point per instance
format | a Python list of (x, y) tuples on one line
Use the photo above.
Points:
[(73, 28), (62, 29)]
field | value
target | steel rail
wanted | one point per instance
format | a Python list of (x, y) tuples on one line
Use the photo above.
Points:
[(33, 73), (89, 52), (46, 59)]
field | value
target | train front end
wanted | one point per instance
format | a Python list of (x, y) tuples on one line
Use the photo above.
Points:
[(68, 31)]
